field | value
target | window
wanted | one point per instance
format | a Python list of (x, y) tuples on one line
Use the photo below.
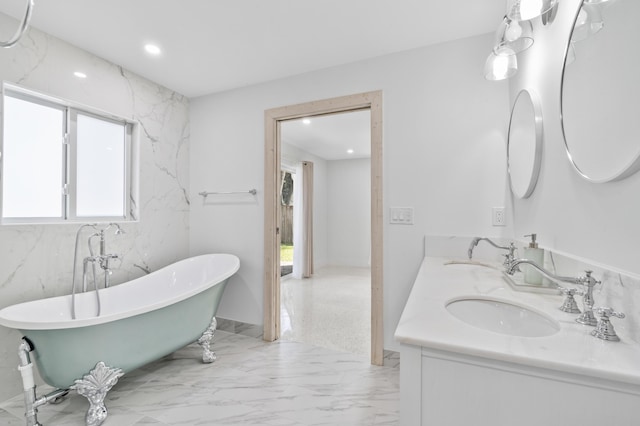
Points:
[(62, 163)]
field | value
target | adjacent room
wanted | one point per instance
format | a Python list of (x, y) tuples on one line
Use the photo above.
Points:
[(326, 300)]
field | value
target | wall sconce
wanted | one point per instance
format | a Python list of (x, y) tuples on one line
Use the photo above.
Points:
[(512, 37), (501, 64), (524, 10), (515, 35)]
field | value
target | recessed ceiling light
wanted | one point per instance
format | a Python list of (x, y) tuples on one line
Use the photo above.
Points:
[(349, 151), (80, 74), (152, 49), (306, 121)]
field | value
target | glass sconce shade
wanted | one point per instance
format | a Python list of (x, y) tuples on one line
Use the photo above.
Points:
[(516, 35), (523, 10), (501, 64), (588, 23)]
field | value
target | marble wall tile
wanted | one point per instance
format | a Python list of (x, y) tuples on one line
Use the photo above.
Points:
[(36, 260)]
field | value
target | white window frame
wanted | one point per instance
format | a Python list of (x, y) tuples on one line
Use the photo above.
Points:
[(69, 160)]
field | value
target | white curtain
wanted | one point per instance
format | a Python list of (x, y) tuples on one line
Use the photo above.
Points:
[(303, 220)]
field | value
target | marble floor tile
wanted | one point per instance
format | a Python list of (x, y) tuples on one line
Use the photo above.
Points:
[(251, 383), (9, 419), (149, 421)]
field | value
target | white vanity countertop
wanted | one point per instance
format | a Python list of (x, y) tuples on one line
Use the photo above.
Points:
[(426, 322)]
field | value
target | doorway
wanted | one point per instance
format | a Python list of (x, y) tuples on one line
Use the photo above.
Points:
[(328, 304), (371, 101)]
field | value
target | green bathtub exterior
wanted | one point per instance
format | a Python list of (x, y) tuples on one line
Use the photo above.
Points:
[(65, 355)]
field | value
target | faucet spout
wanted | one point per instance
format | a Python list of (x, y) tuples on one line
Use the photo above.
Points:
[(511, 248), (513, 268), (473, 245)]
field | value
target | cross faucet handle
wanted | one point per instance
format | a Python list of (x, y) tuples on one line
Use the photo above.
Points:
[(604, 329), (569, 304), (589, 280), (606, 312), (571, 291)]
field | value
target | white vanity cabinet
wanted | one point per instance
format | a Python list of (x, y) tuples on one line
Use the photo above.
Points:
[(443, 388), (454, 374)]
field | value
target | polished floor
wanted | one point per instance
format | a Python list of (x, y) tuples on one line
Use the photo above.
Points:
[(332, 309), (252, 383)]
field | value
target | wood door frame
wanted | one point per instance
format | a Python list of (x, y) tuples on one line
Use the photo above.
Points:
[(272, 118)]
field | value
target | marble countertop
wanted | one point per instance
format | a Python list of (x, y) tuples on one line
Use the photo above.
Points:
[(425, 322)]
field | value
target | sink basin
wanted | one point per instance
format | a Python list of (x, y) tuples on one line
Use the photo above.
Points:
[(502, 317)]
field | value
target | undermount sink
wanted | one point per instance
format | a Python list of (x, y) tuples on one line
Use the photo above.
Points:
[(502, 317)]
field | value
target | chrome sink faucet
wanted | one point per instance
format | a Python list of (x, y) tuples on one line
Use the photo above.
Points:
[(512, 268), (587, 317), (509, 257), (587, 280)]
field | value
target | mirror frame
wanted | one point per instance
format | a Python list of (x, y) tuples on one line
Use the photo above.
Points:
[(539, 139), (632, 166)]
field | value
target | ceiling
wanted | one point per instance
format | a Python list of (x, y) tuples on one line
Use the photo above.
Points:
[(330, 136), (215, 45)]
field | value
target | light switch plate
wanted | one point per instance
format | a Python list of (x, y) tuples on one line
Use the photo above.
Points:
[(401, 215)]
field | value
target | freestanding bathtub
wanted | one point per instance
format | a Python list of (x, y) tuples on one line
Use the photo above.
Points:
[(141, 321)]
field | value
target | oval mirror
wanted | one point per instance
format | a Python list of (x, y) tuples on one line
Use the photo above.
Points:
[(600, 91), (524, 146)]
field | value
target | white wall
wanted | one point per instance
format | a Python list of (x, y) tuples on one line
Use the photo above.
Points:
[(349, 212), (36, 261), (598, 222), (292, 155), (444, 154)]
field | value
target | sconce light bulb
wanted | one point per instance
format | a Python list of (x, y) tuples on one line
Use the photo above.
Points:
[(504, 64), (513, 31), (501, 64), (500, 67), (530, 9)]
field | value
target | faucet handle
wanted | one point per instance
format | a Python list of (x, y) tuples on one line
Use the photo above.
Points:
[(607, 312), (569, 304), (604, 329), (588, 279)]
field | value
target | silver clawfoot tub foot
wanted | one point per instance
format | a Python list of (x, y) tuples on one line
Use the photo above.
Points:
[(94, 386), (208, 356)]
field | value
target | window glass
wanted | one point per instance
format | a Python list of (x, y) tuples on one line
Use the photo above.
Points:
[(101, 147), (63, 162), (32, 159)]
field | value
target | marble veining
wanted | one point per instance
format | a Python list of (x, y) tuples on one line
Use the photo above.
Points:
[(252, 383), (37, 259)]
